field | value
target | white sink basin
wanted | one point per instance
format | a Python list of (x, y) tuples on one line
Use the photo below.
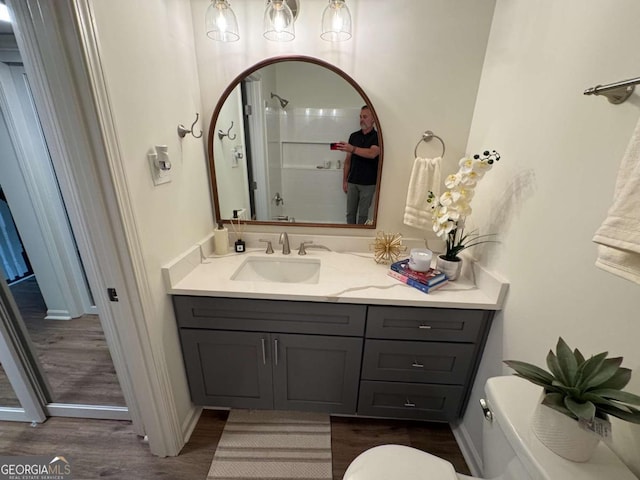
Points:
[(278, 269)]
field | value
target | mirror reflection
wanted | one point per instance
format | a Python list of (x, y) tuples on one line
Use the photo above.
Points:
[(280, 139)]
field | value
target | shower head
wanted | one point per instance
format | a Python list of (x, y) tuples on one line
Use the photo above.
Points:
[(283, 102)]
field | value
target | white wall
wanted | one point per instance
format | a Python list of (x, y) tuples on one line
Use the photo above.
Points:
[(148, 56), (560, 154), (546, 198), (419, 64), (422, 74)]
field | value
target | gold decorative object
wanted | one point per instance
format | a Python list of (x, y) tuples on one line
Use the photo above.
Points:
[(387, 247)]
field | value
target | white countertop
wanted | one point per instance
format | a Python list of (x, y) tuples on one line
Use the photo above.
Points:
[(345, 277)]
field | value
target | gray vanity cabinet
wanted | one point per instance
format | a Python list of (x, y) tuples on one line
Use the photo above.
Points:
[(271, 354), (409, 362), (420, 363)]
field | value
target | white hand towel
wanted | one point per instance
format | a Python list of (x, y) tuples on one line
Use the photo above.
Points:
[(618, 237), (425, 177)]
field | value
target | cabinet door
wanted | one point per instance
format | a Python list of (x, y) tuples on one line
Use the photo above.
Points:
[(228, 369), (317, 373)]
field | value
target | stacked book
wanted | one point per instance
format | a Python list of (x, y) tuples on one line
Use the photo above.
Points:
[(426, 282)]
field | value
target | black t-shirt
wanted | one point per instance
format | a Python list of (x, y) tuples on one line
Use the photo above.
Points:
[(363, 171)]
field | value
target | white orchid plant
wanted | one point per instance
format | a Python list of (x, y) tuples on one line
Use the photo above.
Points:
[(452, 207)]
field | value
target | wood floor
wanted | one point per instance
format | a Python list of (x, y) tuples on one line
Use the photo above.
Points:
[(73, 354), (110, 449)]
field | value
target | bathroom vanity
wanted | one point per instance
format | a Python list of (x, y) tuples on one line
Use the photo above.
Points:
[(357, 342)]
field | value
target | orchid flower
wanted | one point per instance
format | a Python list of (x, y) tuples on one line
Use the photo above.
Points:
[(451, 208)]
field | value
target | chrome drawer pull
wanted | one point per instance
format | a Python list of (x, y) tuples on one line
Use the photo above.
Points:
[(408, 403), (264, 353), (416, 364), (276, 349), (425, 327)]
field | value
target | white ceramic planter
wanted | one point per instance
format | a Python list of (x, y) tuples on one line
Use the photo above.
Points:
[(449, 268), (562, 435)]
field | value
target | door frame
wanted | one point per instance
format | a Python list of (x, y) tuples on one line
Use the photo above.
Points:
[(256, 123), (61, 57), (22, 375), (62, 280)]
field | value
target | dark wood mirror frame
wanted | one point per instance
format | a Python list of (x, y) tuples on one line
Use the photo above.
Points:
[(213, 134)]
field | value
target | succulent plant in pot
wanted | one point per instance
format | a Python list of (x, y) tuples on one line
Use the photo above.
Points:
[(585, 390)]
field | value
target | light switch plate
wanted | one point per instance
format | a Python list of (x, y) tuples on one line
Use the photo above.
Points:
[(159, 176)]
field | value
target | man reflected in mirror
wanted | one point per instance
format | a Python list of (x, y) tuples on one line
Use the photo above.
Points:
[(360, 168)]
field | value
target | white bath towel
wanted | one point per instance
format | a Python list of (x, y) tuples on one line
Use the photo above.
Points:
[(618, 237), (425, 177)]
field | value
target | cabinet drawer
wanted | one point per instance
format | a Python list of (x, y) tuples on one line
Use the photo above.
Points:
[(270, 315), (435, 324), (410, 400), (418, 362)]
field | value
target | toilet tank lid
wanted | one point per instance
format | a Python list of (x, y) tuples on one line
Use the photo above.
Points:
[(512, 401)]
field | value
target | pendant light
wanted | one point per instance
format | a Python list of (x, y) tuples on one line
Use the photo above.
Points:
[(336, 22), (220, 22), (278, 21), (4, 13)]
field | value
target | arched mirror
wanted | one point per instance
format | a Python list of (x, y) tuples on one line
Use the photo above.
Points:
[(270, 144)]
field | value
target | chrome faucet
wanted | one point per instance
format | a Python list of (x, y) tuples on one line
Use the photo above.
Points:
[(284, 241)]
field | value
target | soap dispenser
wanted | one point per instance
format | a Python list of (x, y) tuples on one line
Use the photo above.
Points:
[(221, 240)]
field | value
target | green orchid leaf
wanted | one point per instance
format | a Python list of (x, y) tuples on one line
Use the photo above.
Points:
[(585, 410), (567, 361), (619, 380), (605, 372)]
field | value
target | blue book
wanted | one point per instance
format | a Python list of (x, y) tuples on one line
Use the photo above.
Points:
[(430, 277), (415, 284)]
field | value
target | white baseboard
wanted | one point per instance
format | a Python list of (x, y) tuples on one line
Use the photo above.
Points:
[(468, 449), (58, 315), (190, 422)]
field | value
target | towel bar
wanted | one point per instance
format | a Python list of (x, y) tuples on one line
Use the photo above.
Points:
[(616, 92), (427, 137)]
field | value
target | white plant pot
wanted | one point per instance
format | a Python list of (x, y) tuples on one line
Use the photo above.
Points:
[(449, 268), (562, 435)]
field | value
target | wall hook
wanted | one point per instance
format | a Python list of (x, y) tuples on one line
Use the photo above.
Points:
[(182, 130), (221, 134)]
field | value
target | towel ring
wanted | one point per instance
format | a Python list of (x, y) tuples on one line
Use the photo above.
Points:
[(427, 137)]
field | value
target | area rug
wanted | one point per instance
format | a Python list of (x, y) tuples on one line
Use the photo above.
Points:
[(270, 444)]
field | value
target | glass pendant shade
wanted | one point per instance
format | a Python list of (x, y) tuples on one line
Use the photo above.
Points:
[(336, 22), (4, 13), (278, 21), (220, 22)]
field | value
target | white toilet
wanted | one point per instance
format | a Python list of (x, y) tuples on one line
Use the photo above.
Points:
[(511, 449)]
